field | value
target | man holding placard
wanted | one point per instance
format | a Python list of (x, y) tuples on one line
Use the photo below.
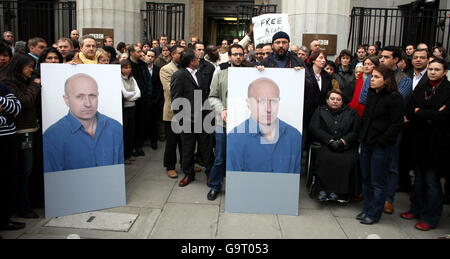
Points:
[(282, 57)]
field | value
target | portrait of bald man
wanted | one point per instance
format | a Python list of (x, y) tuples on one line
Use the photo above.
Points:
[(264, 143), (84, 138)]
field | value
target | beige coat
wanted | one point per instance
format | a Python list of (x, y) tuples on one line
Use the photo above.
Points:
[(166, 74)]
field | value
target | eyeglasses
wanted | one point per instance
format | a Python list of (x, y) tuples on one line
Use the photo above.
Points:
[(237, 55)]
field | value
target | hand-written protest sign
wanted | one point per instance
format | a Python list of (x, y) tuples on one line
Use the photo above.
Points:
[(265, 26)]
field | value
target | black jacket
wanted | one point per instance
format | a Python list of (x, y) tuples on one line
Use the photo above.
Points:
[(142, 75), (183, 85), (430, 127), (206, 69), (293, 61), (347, 82), (314, 96), (157, 88), (327, 125), (383, 118)]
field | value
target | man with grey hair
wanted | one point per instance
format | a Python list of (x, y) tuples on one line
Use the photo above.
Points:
[(264, 143), (8, 37), (84, 138), (88, 51), (314, 46)]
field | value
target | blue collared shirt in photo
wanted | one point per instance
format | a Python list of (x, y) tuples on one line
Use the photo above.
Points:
[(249, 151), (67, 145)]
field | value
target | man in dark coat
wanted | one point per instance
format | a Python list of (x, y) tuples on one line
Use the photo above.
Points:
[(188, 84), (143, 105), (282, 57)]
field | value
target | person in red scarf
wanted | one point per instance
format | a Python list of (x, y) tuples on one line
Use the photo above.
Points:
[(429, 113), (369, 64)]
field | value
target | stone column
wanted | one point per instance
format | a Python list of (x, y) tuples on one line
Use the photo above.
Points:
[(122, 16), (322, 17), (196, 19)]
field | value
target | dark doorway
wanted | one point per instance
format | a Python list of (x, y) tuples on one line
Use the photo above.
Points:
[(226, 20), (221, 20)]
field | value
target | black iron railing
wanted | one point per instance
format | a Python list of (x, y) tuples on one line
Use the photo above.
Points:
[(46, 19), (399, 27), (245, 13), (164, 18)]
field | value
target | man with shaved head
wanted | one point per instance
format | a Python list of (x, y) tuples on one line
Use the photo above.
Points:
[(84, 138), (264, 143)]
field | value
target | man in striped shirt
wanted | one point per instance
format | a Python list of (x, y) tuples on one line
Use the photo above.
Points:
[(9, 108)]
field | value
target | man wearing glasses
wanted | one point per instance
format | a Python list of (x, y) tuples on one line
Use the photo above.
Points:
[(264, 143)]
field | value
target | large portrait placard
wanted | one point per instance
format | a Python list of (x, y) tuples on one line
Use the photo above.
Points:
[(264, 140), (82, 138)]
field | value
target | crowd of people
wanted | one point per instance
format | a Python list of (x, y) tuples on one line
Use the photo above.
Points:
[(375, 117)]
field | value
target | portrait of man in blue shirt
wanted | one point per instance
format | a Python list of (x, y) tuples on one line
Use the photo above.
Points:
[(84, 138), (264, 143)]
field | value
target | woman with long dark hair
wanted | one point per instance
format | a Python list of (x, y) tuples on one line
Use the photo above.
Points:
[(17, 77), (381, 124), (429, 113)]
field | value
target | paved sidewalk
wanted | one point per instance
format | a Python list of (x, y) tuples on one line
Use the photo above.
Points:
[(167, 211)]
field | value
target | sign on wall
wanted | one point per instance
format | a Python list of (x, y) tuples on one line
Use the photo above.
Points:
[(99, 34), (328, 42)]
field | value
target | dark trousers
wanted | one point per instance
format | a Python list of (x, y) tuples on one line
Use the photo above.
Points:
[(129, 120), (405, 160), (427, 203), (25, 144), (143, 115), (172, 142), (375, 164), (155, 121), (204, 151), (8, 163)]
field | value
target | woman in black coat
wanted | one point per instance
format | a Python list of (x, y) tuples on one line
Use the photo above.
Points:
[(345, 75), (336, 163), (381, 124), (317, 85), (429, 113)]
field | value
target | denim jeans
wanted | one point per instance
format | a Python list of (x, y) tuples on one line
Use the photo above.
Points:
[(219, 167), (375, 164), (393, 173), (428, 197)]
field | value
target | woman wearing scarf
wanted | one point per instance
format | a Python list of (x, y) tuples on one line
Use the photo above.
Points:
[(429, 113)]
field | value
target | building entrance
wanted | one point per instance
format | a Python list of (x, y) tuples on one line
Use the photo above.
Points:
[(226, 20)]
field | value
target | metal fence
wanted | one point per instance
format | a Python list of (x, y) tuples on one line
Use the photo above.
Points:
[(46, 19), (245, 13), (399, 27), (164, 18)]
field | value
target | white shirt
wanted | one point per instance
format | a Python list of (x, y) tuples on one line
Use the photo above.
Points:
[(150, 69), (416, 79), (193, 73), (319, 81)]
